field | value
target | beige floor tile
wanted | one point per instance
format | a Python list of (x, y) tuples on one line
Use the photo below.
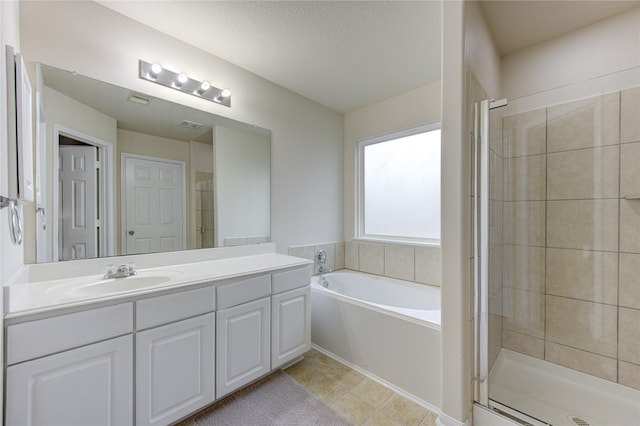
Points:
[(323, 363), (303, 372), (379, 419), (326, 389), (371, 392), (403, 410), (431, 419), (352, 408), (345, 375)]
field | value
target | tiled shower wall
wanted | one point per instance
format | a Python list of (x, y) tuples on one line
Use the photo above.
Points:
[(571, 233), (405, 262)]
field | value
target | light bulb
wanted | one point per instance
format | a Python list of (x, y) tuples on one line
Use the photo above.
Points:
[(182, 78), (205, 86), (156, 69), (225, 93)]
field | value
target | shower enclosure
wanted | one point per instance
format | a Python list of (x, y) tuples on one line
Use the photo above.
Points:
[(556, 249)]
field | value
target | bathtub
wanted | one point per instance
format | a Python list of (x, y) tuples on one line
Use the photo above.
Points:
[(388, 329)]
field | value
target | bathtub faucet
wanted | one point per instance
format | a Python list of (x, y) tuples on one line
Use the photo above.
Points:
[(321, 260)]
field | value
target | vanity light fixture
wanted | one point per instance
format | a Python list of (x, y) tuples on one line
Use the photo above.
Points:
[(203, 89)]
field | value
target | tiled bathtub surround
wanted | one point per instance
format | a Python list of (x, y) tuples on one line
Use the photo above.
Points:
[(571, 270), (405, 262)]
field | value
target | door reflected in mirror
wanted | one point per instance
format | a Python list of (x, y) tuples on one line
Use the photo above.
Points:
[(124, 173)]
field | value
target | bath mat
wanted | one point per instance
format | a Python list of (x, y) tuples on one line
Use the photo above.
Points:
[(277, 400)]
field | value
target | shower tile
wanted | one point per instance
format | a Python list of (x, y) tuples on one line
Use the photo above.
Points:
[(495, 176), (583, 224), (630, 280), (399, 262), (339, 256), (629, 374), (495, 223), (495, 270), (629, 170), (305, 252), (371, 258), (351, 255), (330, 249), (524, 134), (524, 223), (630, 226), (629, 113), (428, 265), (523, 344), (587, 362), (524, 268), (629, 338), (583, 174), (495, 133), (495, 338), (582, 325), (586, 123), (525, 178), (584, 275), (524, 312)]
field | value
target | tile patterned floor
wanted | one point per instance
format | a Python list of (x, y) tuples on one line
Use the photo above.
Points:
[(358, 398)]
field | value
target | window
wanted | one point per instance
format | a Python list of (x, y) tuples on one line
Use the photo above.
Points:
[(399, 186)]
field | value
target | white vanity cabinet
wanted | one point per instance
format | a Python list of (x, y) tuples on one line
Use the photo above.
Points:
[(57, 374), (291, 318), (174, 356), (243, 338)]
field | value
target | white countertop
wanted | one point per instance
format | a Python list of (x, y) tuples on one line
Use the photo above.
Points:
[(43, 296)]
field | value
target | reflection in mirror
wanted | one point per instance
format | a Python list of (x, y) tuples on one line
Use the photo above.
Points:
[(123, 173)]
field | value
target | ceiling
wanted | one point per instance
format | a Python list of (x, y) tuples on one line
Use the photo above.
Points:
[(517, 24), (349, 54), (342, 54)]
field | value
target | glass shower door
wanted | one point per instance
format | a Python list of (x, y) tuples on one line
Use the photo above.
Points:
[(557, 255)]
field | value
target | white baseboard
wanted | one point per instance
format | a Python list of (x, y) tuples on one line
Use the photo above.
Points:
[(445, 420)]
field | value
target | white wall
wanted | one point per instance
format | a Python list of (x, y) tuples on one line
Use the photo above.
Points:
[(480, 51), (409, 109), (11, 256), (242, 185), (306, 137), (606, 47)]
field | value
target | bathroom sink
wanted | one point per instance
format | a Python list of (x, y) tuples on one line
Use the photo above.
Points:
[(92, 286)]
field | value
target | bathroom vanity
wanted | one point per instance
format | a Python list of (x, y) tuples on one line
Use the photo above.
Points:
[(155, 347)]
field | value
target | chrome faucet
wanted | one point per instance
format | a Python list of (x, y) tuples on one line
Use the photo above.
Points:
[(121, 271), (321, 260)]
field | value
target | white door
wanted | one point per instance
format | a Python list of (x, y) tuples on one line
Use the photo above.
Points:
[(243, 345), (90, 385), (153, 205), (78, 201), (174, 370), (291, 325)]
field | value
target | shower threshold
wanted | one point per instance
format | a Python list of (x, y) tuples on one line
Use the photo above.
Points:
[(558, 395)]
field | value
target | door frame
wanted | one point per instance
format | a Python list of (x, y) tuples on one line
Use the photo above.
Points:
[(107, 228), (123, 195)]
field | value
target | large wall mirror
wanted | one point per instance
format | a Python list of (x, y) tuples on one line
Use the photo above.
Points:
[(119, 173)]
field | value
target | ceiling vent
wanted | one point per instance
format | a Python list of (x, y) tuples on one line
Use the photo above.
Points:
[(138, 98), (190, 124)]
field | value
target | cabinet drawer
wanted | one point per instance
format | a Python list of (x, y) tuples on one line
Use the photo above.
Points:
[(289, 280), (174, 307), (33, 339), (241, 290)]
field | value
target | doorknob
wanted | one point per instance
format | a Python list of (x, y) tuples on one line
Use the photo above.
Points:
[(131, 232)]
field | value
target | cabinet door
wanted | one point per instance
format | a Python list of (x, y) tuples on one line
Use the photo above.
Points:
[(174, 370), (291, 325), (90, 385), (243, 345)]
